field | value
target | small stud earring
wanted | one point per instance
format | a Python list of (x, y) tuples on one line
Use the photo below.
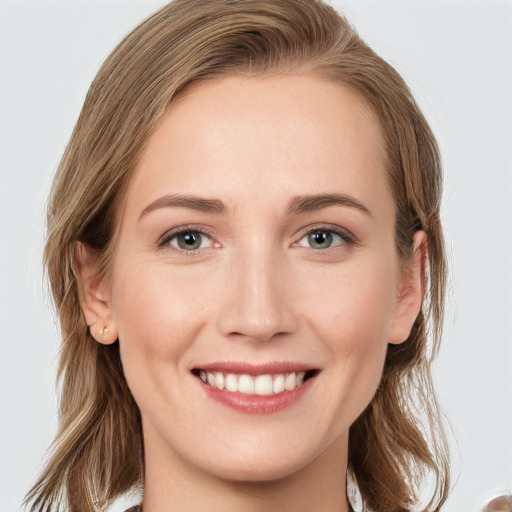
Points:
[(99, 335)]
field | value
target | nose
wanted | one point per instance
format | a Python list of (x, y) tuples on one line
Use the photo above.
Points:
[(256, 305)]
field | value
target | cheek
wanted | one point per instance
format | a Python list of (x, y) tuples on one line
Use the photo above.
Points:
[(352, 315), (353, 308), (153, 307), (157, 320)]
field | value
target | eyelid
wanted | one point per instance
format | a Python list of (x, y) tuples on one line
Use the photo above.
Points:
[(345, 234), (163, 241)]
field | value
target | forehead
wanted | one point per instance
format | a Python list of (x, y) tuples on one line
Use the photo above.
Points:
[(234, 134)]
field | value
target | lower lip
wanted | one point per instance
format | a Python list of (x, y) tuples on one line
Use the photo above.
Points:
[(256, 404)]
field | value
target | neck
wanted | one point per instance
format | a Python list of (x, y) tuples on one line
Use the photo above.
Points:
[(175, 486)]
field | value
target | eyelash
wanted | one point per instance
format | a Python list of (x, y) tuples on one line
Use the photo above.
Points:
[(346, 237), (164, 241)]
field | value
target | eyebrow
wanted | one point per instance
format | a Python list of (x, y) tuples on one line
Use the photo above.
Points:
[(311, 203), (200, 204), (298, 204)]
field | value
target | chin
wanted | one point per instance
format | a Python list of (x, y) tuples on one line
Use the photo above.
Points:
[(257, 472), (271, 460)]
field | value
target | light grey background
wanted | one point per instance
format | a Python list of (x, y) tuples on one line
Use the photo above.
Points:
[(457, 58)]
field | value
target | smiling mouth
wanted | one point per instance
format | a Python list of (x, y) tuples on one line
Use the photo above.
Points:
[(260, 385)]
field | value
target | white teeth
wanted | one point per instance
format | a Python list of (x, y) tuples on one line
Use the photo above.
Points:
[(260, 385), (219, 381), (231, 382), (246, 385), (278, 386), (263, 385), (290, 382)]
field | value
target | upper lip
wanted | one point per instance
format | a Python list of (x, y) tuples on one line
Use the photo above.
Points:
[(247, 368)]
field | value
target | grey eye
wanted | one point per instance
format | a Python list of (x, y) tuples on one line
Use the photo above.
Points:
[(321, 239), (190, 240)]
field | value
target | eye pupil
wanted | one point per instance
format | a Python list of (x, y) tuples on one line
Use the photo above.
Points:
[(189, 240), (320, 239)]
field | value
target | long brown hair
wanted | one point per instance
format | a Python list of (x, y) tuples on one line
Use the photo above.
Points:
[(97, 455)]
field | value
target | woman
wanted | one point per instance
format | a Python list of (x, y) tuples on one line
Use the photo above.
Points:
[(242, 233)]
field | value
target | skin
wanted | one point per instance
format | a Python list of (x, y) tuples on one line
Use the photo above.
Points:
[(255, 290)]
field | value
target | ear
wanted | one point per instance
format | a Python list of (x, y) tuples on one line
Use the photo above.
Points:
[(94, 295), (410, 291)]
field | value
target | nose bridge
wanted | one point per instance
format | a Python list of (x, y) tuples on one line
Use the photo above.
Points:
[(255, 305)]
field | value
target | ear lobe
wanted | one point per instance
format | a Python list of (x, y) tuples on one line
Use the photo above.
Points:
[(94, 295), (410, 292)]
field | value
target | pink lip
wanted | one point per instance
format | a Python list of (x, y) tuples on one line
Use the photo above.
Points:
[(256, 404), (241, 367)]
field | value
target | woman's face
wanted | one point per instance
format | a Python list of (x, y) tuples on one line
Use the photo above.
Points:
[(256, 251)]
